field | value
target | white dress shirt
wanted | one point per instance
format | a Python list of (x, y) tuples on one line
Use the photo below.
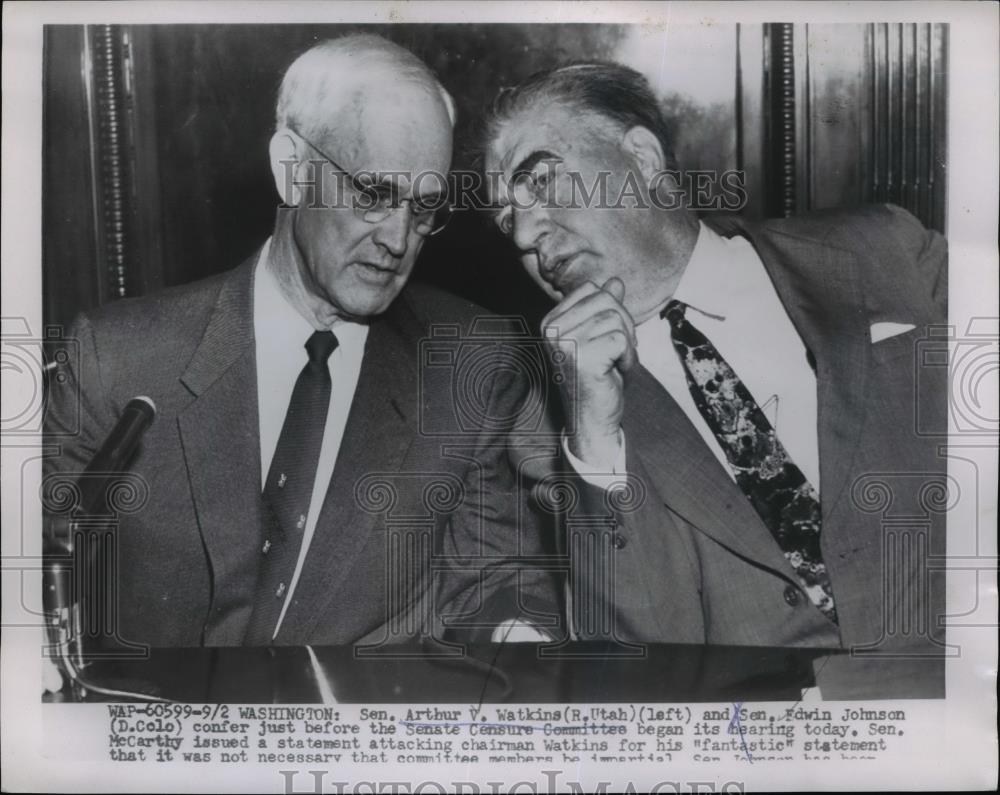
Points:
[(280, 333), (732, 301)]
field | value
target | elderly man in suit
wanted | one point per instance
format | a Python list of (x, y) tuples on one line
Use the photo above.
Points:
[(746, 382), (307, 480)]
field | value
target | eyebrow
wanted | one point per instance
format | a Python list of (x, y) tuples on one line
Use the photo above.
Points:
[(531, 161), (523, 167), (429, 198), (434, 195)]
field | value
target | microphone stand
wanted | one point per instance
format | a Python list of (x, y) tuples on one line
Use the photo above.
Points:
[(64, 613)]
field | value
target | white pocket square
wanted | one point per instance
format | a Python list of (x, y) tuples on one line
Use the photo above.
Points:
[(884, 330)]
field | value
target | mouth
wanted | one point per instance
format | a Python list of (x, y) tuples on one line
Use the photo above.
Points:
[(372, 271), (555, 273)]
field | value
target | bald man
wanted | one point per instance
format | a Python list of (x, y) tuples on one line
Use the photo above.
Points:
[(301, 488)]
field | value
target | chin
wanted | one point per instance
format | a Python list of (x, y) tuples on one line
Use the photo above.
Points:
[(362, 307)]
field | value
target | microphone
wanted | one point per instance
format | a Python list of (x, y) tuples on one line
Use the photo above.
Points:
[(116, 452), (64, 572), (108, 464)]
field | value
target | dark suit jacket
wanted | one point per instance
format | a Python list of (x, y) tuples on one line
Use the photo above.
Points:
[(694, 562), (410, 485)]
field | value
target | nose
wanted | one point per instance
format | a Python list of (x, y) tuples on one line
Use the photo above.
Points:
[(393, 231), (529, 226)]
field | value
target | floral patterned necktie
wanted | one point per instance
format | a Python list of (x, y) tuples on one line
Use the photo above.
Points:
[(775, 486)]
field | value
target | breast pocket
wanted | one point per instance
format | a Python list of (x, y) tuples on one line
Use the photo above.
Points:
[(912, 345)]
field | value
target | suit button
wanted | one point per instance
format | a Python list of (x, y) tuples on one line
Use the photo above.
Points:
[(618, 541), (792, 595)]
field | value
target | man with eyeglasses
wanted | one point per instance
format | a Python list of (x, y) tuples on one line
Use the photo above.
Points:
[(298, 491), (748, 379)]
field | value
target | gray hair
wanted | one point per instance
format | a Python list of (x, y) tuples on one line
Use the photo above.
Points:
[(614, 92), (320, 72)]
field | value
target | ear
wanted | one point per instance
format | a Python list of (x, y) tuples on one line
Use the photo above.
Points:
[(645, 149), (284, 166)]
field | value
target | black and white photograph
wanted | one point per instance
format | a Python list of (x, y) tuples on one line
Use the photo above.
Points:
[(482, 397)]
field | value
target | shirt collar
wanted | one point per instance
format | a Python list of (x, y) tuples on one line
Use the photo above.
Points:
[(706, 283)]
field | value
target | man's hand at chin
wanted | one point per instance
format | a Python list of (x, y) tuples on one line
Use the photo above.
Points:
[(592, 338)]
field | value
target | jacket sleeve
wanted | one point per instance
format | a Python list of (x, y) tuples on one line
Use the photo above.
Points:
[(500, 533), (77, 418)]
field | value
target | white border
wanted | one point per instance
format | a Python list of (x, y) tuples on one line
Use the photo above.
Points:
[(963, 751)]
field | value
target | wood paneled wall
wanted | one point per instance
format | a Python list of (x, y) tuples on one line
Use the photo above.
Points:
[(155, 138), (852, 114)]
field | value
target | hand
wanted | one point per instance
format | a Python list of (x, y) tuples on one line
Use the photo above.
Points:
[(592, 338)]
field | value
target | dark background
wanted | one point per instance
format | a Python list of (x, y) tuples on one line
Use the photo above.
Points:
[(155, 165)]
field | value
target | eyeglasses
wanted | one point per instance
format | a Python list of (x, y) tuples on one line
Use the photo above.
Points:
[(376, 201)]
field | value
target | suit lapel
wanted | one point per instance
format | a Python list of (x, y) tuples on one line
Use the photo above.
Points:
[(380, 427), (221, 441), (820, 289), (691, 481)]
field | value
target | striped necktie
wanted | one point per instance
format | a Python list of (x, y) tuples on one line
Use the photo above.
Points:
[(289, 487)]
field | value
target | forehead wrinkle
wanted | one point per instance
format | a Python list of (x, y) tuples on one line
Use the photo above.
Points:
[(396, 129), (503, 152), (542, 130)]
